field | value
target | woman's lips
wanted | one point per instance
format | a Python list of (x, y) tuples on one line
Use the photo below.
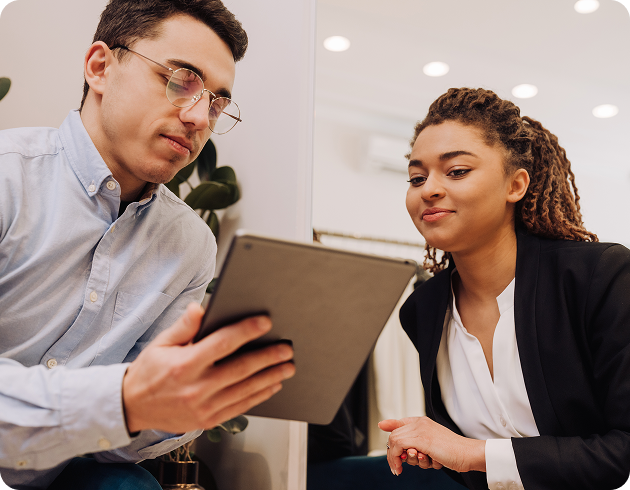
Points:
[(435, 214)]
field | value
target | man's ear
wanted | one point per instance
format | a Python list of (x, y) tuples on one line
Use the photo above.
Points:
[(97, 61), (518, 186)]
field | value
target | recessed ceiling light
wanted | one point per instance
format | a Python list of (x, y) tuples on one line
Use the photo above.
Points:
[(435, 69), (605, 110), (336, 43), (525, 91), (586, 6)]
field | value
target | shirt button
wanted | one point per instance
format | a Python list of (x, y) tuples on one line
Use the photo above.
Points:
[(51, 363), (93, 296), (111, 185), (104, 444), (92, 188), (22, 463), (503, 422), (112, 228), (513, 486), (500, 486)]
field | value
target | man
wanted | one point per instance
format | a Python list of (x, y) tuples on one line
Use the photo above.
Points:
[(98, 260)]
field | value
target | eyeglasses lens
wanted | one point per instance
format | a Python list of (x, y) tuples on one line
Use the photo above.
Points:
[(223, 115), (184, 87)]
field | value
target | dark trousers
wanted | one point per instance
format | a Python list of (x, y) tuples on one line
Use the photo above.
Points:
[(89, 474), (373, 473)]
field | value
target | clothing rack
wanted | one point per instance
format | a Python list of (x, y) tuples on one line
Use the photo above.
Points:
[(355, 236), (385, 247)]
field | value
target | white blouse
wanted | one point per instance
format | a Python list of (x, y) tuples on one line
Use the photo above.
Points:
[(483, 408)]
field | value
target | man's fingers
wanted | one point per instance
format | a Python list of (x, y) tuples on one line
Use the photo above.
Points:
[(244, 405), (236, 393), (239, 398), (226, 340), (245, 366)]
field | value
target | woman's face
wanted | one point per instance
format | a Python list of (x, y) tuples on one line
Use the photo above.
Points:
[(459, 196)]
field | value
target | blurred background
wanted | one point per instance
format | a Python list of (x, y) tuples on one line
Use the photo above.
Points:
[(369, 97)]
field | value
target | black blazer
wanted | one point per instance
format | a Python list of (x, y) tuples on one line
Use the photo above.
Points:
[(572, 318)]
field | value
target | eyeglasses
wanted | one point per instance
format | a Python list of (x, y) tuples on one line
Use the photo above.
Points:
[(185, 88)]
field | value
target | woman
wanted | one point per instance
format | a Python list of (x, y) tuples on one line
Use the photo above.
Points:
[(524, 331)]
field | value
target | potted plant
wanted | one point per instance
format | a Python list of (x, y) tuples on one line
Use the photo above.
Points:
[(181, 469), (5, 85)]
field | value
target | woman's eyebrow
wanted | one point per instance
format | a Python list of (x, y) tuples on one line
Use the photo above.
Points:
[(452, 154), (443, 157)]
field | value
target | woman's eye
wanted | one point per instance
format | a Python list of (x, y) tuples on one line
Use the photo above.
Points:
[(459, 172), (416, 181)]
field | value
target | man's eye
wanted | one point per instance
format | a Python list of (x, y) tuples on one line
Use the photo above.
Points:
[(416, 181)]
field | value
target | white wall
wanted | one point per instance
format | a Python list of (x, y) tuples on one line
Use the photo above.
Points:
[(42, 47), (43, 43)]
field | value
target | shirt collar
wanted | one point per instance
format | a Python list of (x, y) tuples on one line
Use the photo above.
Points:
[(86, 161)]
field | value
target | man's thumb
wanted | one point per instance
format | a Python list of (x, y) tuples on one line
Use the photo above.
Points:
[(184, 329)]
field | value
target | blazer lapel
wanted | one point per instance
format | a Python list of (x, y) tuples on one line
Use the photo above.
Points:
[(431, 306), (527, 335)]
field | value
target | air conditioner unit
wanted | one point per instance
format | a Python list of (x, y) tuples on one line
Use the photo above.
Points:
[(388, 153)]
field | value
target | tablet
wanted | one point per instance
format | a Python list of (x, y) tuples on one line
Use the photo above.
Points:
[(330, 304)]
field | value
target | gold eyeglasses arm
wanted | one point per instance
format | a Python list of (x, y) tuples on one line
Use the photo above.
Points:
[(120, 46)]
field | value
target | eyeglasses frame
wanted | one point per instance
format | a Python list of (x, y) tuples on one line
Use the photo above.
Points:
[(197, 98)]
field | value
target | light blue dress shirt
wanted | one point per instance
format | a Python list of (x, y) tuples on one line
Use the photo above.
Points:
[(81, 293)]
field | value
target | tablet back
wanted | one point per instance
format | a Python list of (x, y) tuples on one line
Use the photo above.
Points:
[(330, 304)]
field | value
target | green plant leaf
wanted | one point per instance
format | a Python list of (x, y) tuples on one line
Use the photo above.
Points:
[(235, 425), (212, 285), (210, 195), (213, 223), (5, 85), (224, 174), (213, 435), (207, 161), (173, 186), (184, 174)]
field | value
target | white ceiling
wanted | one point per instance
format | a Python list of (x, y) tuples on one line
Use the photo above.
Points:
[(577, 61)]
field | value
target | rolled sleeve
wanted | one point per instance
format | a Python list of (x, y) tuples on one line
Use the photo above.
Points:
[(501, 470)]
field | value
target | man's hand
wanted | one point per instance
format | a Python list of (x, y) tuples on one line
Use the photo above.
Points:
[(175, 386), (430, 445)]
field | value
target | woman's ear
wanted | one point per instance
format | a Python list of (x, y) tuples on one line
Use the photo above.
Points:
[(97, 60), (518, 186)]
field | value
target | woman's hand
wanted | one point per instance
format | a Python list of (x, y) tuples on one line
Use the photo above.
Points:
[(431, 445), (413, 458)]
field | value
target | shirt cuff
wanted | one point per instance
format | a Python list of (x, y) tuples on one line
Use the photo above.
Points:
[(92, 408), (501, 470)]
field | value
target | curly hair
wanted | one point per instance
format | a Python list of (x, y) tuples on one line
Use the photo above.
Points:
[(125, 21), (550, 207)]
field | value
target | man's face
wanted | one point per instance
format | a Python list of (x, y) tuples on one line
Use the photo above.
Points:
[(144, 137)]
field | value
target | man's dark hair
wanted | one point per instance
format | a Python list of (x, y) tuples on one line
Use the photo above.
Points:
[(125, 21)]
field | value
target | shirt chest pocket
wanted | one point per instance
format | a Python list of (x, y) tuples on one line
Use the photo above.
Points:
[(133, 315)]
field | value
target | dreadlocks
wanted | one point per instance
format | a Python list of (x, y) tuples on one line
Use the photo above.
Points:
[(551, 206)]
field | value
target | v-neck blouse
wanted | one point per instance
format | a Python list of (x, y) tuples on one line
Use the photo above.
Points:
[(483, 408)]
